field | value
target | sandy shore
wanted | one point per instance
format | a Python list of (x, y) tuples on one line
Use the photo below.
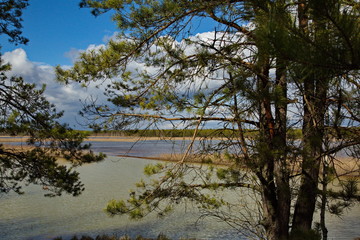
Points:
[(5, 139), (343, 165), (10, 139), (135, 139)]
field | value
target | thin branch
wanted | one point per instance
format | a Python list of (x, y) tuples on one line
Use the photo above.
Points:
[(230, 24), (226, 185), (185, 118), (348, 109), (338, 148)]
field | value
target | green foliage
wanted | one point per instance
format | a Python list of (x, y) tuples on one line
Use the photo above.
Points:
[(151, 169), (279, 80), (229, 175), (115, 207), (10, 20), (106, 237), (25, 111), (169, 133), (350, 189), (343, 199)]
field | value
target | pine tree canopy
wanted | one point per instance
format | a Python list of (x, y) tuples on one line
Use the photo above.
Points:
[(25, 112), (270, 67)]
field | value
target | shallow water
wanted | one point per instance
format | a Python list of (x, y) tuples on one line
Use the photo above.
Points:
[(32, 216), (148, 148)]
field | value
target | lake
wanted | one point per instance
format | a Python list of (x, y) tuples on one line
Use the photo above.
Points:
[(32, 216)]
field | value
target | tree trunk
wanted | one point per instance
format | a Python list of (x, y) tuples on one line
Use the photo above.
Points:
[(314, 102), (273, 173), (280, 142), (265, 169), (324, 230), (315, 85)]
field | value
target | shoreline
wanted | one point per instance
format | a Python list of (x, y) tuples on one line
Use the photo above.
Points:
[(4, 139), (343, 164)]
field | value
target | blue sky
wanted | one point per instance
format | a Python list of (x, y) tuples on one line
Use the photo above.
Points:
[(55, 27), (58, 30)]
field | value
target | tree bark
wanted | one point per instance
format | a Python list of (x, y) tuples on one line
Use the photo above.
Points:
[(314, 93), (273, 173), (280, 141), (314, 101), (324, 183)]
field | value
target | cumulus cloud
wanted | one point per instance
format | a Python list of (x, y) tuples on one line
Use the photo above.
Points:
[(73, 54), (65, 97), (112, 36), (68, 97), (20, 64)]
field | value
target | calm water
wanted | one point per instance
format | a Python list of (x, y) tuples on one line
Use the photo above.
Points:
[(149, 148), (32, 216)]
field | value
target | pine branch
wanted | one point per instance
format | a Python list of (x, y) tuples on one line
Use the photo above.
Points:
[(205, 119), (230, 24), (226, 185)]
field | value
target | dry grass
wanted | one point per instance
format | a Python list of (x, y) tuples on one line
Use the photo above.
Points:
[(137, 139), (9, 139), (344, 166), (347, 166)]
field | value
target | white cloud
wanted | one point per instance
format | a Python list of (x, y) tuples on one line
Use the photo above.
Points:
[(65, 97), (112, 36), (93, 47), (73, 54), (20, 64)]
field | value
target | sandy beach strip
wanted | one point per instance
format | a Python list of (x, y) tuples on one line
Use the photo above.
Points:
[(13, 139), (343, 165), (134, 139), (5, 139)]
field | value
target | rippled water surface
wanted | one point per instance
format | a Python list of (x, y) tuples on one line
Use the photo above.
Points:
[(32, 216)]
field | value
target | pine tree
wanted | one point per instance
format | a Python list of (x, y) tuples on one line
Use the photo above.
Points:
[(25, 112), (270, 67)]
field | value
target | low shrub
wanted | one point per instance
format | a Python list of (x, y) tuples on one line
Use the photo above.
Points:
[(106, 237)]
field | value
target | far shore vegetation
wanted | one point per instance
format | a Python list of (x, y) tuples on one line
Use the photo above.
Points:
[(189, 133), (108, 237), (345, 169)]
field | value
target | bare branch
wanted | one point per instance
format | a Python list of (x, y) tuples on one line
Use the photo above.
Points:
[(226, 185), (186, 118)]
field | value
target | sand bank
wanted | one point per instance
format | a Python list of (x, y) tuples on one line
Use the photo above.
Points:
[(343, 165), (10, 139)]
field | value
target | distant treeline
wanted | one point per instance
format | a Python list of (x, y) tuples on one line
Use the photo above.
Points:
[(106, 237), (343, 132), (170, 133), (208, 133)]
